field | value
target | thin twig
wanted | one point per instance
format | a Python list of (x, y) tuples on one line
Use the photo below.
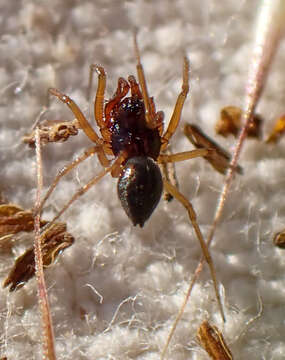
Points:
[(48, 337)]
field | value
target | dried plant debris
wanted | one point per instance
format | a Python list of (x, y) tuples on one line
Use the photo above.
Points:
[(53, 131), (14, 219), (212, 340), (279, 239), (278, 130), (6, 243), (54, 240), (230, 123), (219, 158)]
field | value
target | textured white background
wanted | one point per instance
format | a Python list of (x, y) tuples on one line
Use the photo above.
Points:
[(142, 274)]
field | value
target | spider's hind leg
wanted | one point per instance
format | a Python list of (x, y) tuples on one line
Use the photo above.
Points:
[(193, 218)]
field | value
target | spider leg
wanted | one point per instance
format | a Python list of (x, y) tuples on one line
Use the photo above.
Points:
[(102, 112), (193, 218), (167, 159), (66, 169), (159, 117), (99, 99), (175, 118), (149, 115), (81, 191), (84, 124), (185, 155), (169, 173), (122, 90)]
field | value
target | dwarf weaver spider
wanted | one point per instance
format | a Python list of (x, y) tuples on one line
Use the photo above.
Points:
[(132, 132)]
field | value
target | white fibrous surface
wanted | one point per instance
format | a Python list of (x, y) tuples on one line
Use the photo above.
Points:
[(115, 293)]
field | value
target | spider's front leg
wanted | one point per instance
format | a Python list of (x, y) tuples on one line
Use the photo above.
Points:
[(83, 123), (101, 86), (176, 115)]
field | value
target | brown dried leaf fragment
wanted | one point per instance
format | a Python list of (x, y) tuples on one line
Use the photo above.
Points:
[(14, 219), (53, 131), (230, 123), (212, 340), (278, 130), (219, 158), (54, 240)]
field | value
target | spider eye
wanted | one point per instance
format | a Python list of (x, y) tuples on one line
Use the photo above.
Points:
[(139, 188)]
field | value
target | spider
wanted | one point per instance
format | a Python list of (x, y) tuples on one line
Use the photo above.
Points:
[(132, 134)]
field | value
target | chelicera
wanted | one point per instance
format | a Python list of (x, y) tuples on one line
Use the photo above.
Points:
[(132, 145)]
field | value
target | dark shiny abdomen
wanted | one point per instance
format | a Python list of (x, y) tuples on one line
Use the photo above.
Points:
[(139, 188)]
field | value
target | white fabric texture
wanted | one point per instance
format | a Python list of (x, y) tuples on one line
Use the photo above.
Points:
[(115, 293)]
